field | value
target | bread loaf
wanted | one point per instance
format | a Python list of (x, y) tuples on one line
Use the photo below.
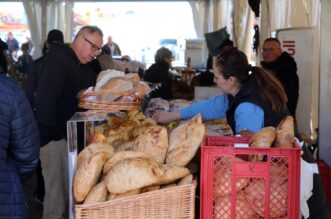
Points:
[(153, 142), (115, 84), (263, 138), (92, 149), (127, 146), (185, 141), (129, 193), (278, 198), (150, 188), (119, 156), (141, 89), (87, 175), (168, 186), (186, 180), (98, 193), (134, 77), (97, 138), (285, 133), (135, 173), (118, 84)]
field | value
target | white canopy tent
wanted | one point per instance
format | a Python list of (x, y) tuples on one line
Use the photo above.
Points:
[(211, 15)]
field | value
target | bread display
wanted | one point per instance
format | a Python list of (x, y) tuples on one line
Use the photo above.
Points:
[(184, 141), (127, 157)]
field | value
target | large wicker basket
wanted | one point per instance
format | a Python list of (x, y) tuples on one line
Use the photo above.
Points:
[(175, 202)]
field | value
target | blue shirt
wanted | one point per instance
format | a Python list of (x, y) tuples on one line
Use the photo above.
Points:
[(247, 115)]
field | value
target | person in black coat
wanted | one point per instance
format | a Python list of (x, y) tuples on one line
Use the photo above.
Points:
[(19, 148), (64, 72), (159, 73), (54, 39), (285, 69)]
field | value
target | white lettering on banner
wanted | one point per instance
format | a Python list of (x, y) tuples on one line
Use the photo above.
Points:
[(289, 45)]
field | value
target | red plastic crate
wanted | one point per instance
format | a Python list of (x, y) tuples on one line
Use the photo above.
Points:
[(264, 189)]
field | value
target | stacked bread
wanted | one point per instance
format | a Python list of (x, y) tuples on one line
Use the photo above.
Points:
[(114, 91), (281, 137), (113, 85), (146, 163)]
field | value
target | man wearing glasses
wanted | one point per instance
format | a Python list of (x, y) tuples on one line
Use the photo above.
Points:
[(284, 68), (64, 73)]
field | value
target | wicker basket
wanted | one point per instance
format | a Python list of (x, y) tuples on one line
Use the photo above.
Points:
[(88, 100), (175, 202)]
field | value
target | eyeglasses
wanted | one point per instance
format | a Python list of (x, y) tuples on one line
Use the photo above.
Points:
[(268, 50), (93, 46)]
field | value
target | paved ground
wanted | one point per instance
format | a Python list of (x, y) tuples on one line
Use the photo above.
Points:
[(35, 208)]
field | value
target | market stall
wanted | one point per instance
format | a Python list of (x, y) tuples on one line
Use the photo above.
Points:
[(127, 165)]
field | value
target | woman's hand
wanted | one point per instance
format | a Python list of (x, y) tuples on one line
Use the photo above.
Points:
[(165, 117)]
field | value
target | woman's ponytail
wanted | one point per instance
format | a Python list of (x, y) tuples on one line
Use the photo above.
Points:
[(270, 88)]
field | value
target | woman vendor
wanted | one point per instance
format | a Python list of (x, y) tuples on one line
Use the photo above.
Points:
[(253, 98)]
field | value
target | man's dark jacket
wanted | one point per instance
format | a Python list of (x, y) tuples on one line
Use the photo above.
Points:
[(19, 148), (34, 75), (285, 69), (159, 73), (61, 77)]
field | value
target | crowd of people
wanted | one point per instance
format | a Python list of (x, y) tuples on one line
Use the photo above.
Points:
[(254, 97)]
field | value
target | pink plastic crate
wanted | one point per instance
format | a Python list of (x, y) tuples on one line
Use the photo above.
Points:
[(234, 187)]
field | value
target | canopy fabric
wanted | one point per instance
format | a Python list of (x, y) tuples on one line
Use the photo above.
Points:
[(54, 14)]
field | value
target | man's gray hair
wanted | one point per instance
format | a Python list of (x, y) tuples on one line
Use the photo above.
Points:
[(162, 53), (90, 30)]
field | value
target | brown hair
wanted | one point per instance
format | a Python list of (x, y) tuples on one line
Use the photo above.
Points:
[(234, 63)]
